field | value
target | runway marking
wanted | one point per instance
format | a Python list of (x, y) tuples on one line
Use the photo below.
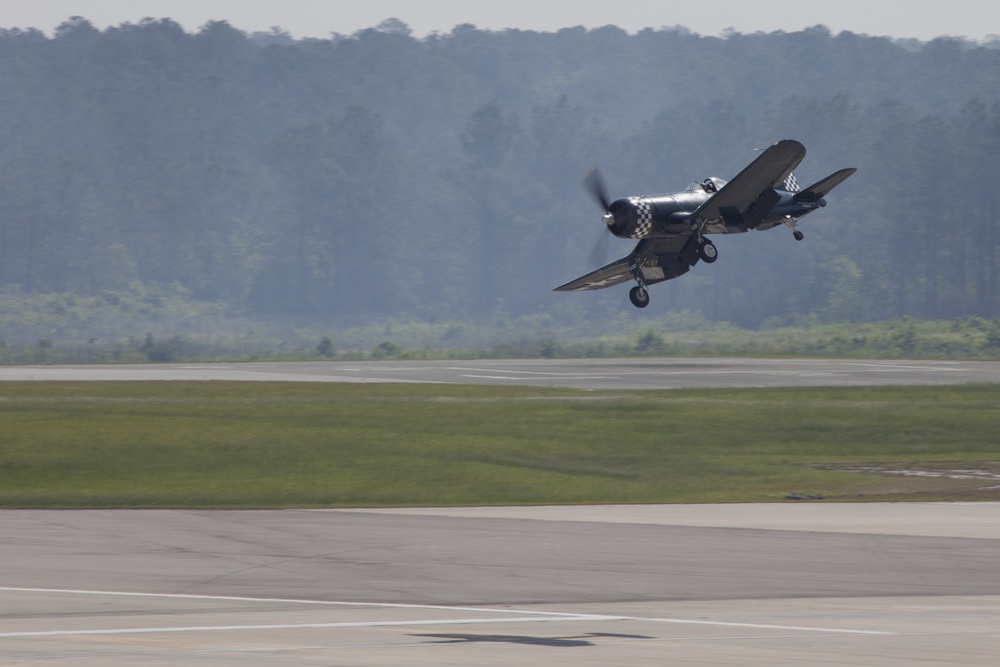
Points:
[(524, 379), (523, 615), (903, 367), (305, 626), (511, 370)]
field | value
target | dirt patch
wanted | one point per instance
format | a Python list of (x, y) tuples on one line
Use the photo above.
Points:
[(928, 479)]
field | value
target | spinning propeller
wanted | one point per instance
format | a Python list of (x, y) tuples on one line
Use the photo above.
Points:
[(595, 185)]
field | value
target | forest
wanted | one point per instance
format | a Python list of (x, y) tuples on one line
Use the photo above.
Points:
[(347, 182)]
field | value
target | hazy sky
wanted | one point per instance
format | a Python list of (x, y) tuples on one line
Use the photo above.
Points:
[(923, 19)]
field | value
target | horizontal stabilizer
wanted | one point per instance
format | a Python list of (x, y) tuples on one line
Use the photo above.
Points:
[(818, 190)]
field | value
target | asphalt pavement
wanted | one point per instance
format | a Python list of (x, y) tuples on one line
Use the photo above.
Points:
[(635, 373), (773, 584)]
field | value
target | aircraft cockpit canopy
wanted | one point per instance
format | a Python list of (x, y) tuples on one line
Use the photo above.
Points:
[(710, 185)]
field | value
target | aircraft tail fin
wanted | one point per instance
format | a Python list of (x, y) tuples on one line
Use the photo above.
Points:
[(790, 184), (820, 189)]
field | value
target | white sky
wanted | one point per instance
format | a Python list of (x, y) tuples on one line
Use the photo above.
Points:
[(922, 19)]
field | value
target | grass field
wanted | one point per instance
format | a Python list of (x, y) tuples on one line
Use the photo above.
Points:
[(242, 445)]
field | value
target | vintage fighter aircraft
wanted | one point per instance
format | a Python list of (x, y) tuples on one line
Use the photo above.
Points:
[(671, 228)]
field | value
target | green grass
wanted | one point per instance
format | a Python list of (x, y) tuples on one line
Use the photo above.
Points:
[(231, 444)]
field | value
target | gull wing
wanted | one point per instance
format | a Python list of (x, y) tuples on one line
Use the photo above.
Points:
[(614, 273), (756, 182), (655, 259)]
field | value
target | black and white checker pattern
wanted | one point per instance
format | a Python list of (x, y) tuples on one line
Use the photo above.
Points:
[(791, 185), (644, 217)]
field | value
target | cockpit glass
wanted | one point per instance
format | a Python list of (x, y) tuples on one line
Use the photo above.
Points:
[(712, 184)]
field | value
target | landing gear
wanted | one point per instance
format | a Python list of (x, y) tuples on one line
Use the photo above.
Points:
[(790, 221), (708, 252), (639, 296)]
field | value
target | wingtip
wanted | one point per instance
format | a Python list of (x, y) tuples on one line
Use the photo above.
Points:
[(791, 143)]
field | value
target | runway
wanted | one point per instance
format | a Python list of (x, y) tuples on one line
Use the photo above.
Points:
[(817, 584), (616, 374)]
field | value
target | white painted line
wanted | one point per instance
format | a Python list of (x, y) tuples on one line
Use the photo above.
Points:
[(902, 367), (303, 626), (524, 615), (541, 379), (329, 603), (754, 625), (511, 370)]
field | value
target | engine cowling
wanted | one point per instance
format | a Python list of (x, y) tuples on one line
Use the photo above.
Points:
[(640, 217), (631, 218)]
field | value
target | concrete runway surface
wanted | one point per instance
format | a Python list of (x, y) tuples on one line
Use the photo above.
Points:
[(578, 373), (769, 584)]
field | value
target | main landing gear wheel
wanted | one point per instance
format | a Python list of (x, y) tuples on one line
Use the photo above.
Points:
[(797, 235), (639, 297), (708, 252)]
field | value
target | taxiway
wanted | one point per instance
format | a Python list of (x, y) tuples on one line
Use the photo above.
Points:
[(818, 584)]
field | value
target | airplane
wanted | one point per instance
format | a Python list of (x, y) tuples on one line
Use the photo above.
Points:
[(671, 228)]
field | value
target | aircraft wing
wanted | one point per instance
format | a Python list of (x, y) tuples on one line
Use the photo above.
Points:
[(610, 274), (737, 197), (656, 260)]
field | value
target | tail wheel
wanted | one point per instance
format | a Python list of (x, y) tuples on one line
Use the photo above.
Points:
[(639, 297), (708, 252)]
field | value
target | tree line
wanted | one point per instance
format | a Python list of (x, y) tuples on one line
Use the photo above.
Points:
[(378, 175)]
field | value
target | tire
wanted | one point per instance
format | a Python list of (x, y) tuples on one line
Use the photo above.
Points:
[(708, 252), (797, 235), (639, 297)]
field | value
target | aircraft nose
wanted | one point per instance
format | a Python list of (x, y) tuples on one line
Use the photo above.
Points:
[(617, 217)]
